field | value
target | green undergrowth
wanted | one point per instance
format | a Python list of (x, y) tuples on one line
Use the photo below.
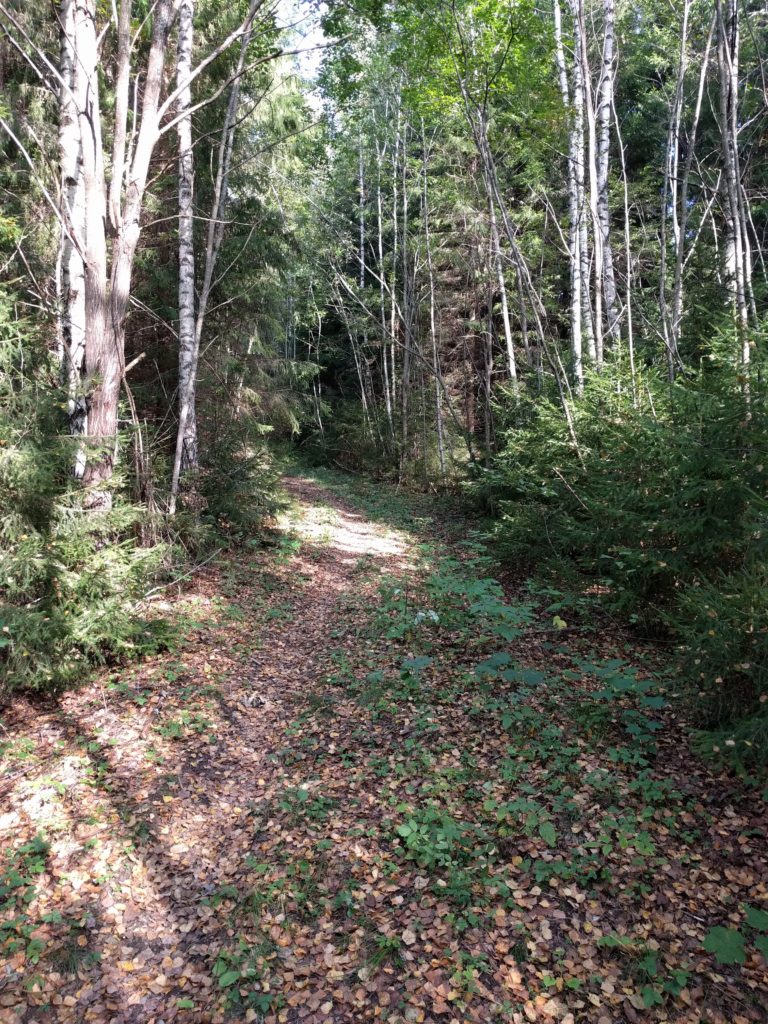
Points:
[(718, 617), (74, 579), (69, 575), (659, 511), (499, 761)]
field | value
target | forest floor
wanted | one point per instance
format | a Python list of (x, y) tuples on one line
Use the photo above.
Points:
[(371, 785)]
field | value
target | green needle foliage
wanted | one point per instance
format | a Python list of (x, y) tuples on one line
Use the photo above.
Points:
[(69, 577), (661, 505)]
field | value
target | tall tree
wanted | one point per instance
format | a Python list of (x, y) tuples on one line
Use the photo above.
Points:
[(191, 330), (738, 260), (575, 144), (72, 201), (604, 114), (188, 349)]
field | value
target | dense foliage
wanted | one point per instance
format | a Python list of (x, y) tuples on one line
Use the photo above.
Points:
[(79, 581), (504, 244), (486, 158), (661, 505), (70, 578)]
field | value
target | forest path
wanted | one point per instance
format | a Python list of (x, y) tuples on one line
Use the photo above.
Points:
[(147, 788), (371, 786)]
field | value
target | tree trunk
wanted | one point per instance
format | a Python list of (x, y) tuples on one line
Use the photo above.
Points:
[(499, 268), (395, 252), (488, 364), (683, 253), (108, 294), (188, 350), (579, 88), (737, 257), (407, 310), (102, 362), (73, 238), (604, 108), (186, 455), (361, 208), (669, 203), (122, 90), (628, 259), (591, 222), (382, 296), (432, 315), (574, 246), (316, 385)]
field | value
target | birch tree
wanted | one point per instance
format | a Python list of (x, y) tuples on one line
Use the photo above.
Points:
[(188, 349), (580, 86), (669, 200), (574, 213), (186, 450), (604, 115), (106, 236), (72, 238), (738, 261), (108, 281)]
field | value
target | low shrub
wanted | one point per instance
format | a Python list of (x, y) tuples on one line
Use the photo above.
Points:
[(69, 577), (661, 502)]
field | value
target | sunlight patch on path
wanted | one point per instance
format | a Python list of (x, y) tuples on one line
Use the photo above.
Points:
[(343, 531)]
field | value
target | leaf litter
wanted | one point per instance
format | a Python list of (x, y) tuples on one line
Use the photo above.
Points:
[(373, 784)]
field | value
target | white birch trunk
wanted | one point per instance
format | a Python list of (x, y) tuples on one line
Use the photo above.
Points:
[(187, 432), (604, 108), (669, 202), (361, 208), (73, 239), (579, 87), (122, 89), (499, 268), (574, 247), (488, 360), (186, 455), (395, 253), (591, 221), (405, 383), (737, 261), (382, 295)]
